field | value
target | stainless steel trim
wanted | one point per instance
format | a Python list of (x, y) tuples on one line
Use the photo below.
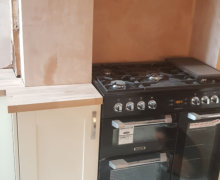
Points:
[(119, 124), (196, 117), (122, 164), (204, 124)]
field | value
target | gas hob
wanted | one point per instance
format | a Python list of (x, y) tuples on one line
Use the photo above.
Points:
[(142, 88), (142, 76)]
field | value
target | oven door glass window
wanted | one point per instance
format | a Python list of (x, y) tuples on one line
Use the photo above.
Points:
[(160, 131), (201, 148), (154, 168)]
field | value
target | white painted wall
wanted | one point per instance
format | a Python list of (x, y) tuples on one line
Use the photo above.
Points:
[(5, 33)]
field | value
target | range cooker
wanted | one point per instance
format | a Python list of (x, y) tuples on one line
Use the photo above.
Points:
[(159, 121)]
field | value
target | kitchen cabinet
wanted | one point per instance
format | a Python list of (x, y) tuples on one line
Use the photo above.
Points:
[(58, 144), (48, 133)]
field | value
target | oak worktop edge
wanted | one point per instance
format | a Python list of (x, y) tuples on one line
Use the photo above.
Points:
[(52, 97)]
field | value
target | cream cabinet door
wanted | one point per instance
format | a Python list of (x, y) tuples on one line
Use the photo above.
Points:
[(59, 144)]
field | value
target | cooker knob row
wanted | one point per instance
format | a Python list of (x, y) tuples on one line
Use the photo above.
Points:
[(204, 100), (130, 106)]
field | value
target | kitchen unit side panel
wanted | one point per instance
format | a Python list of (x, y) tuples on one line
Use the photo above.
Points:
[(7, 171)]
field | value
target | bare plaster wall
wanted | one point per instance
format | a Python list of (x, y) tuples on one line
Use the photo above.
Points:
[(140, 30), (56, 41)]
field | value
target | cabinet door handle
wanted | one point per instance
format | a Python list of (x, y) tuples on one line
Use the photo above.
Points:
[(94, 124), (122, 164)]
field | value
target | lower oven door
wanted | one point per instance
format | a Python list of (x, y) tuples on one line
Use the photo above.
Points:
[(201, 148), (131, 136), (152, 167)]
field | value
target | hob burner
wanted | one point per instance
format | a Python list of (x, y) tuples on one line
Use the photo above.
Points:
[(118, 84), (155, 77)]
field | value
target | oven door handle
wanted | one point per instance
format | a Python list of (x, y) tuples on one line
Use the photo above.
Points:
[(196, 117), (119, 124), (205, 124), (122, 164)]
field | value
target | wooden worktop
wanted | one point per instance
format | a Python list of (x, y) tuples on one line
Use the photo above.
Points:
[(8, 80), (52, 97)]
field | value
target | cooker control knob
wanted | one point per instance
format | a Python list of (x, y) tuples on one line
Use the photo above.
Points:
[(205, 100), (130, 106), (152, 104), (215, 99), (118, 107), (195, 101), (141, 105)]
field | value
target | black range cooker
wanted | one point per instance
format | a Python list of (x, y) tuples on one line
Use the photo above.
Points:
[(159, 121)]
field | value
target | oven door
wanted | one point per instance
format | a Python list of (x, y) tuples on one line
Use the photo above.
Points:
[(201, 149), (123, 137), (152, 166)]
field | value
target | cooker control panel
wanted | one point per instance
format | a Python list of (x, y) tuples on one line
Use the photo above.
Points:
[(152, 104), (156, 102)]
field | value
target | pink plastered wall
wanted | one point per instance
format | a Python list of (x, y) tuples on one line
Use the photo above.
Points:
[(140, 30)]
